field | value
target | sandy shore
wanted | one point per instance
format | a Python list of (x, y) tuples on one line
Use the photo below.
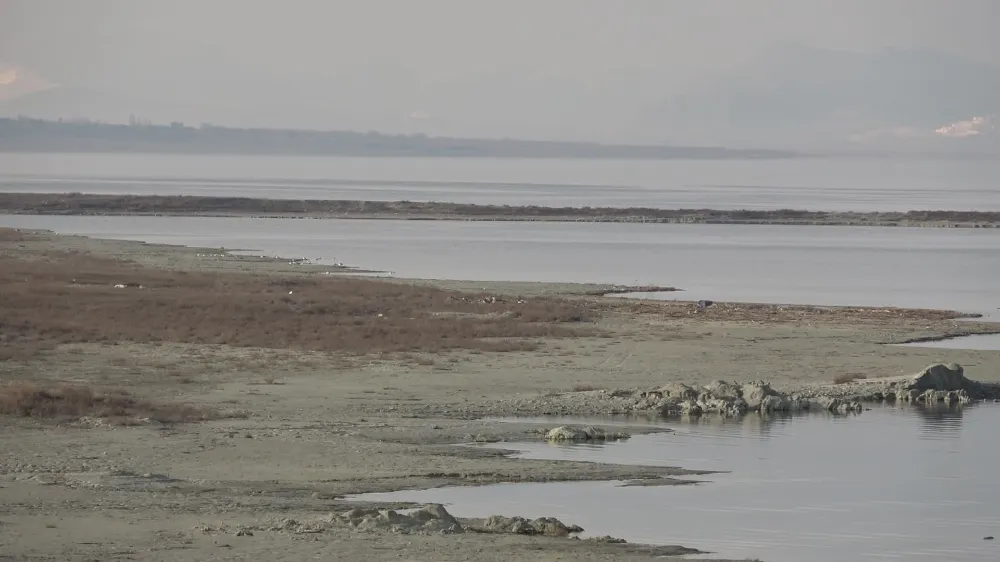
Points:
[(156, 205), (300, 425)]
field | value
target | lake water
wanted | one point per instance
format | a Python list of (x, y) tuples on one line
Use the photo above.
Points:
[(888, 484), (832, 184), (905, 267)]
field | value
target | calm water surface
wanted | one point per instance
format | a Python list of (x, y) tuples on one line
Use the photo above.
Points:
[(835, 184), (907, 267), (887, 484)]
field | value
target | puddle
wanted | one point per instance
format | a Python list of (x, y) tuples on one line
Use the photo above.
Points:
[(890, 483), (978, 342)]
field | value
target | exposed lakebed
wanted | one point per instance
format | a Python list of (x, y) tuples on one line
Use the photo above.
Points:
[(908, 483)]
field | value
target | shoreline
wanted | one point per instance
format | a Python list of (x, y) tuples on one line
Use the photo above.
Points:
[(608, 296), (323, 423), (80, 204)]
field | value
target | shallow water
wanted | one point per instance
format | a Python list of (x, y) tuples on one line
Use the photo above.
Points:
[(906, 267), (988, 342), (887, 484), (829, 184)]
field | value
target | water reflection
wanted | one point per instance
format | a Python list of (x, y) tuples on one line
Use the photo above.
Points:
[(941, 421), (756, 426), (914, 483)]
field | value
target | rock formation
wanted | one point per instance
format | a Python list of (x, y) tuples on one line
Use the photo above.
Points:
[(547, 526), (938, 383), (729, 399)]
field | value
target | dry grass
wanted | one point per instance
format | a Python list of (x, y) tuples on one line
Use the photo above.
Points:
[(60, 298), (75, 401)]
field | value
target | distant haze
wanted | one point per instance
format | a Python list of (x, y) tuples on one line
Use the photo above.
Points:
[(782, 73)]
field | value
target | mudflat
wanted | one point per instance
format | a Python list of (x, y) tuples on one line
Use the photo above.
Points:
[(167, 403)]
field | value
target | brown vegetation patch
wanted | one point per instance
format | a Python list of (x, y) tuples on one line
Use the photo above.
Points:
[(14, 235), (75, 401), (61, 297)]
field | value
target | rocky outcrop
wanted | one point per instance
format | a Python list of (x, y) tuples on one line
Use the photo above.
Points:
[(430, 519), (546, 526), (936, 384), (940, 377), (589, 433), (731, 400)]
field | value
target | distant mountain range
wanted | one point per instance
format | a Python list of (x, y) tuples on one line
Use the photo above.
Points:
[(797, 96), (788, 96), (37, 135)]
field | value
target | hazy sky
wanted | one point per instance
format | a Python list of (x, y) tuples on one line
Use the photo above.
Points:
[(518, 67)]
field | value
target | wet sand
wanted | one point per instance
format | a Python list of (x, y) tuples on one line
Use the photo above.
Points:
[(321, 424)]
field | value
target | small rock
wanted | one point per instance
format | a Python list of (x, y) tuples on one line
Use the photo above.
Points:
[(569, 433), (608, 539)]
